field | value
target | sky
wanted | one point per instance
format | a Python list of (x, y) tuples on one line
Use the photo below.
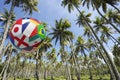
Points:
[(51, 10)]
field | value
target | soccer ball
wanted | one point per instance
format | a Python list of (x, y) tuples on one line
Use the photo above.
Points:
[(27, 34)]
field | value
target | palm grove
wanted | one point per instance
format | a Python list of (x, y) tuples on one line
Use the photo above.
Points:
[(83, 58)]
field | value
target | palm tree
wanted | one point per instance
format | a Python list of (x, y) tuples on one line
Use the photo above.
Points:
[(103, 29), (8, 52), (45, 45), (97, 4), (87, 22), (51, 56), (25, 4), (4, 17), (61, 33), (74, 60), (81, 46), (112, 3), (116, 50), (113, 16)]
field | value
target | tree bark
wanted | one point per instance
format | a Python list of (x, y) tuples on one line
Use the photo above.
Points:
[(6, 28), (90, 73), (45, 74), (68, 71), (36, 71), (76, 66), (7, 66)]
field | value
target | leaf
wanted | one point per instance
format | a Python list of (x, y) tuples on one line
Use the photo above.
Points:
[(104, 7), (88, 15)]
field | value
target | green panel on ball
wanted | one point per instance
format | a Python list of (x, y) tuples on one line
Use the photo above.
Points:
[(41, 31)]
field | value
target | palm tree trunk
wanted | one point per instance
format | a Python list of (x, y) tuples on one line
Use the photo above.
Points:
[(68, 76), (52, 77), (45, 74), (114, 38), (107, 54), (7, 66), (7, 27), (36, 71), (76, 66), (91, 77), (5, 49), (115, 7), (105, 59), (3, 70), (108, 21), (114, 68)]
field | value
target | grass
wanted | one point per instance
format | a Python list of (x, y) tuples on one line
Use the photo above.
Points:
[(106, 77)]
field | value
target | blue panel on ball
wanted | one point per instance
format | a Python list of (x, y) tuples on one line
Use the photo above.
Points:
[(24, 26)]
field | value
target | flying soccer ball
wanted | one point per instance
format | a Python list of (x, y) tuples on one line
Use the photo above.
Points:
[(27, 34)]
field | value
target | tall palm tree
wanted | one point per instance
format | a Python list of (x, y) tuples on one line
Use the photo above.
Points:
[(116, 50), (74, 60), (97, 4), (61, 33), (52, 57), (87, 22), (26, 5), (8, 53), (92, 45), (45, 45), (103, 29)]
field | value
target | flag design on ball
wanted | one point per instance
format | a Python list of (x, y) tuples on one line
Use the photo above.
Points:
[(27, 34)]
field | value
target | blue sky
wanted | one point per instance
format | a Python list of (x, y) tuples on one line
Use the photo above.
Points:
[(51, 10)]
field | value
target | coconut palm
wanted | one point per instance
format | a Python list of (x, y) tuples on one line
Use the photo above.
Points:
[(4, 17), (8, 53), (116, 50), (97, 4), (112, 3), (51, 56), (81, 46), (113, 16), (74, 60), (61, 33), (87, 22), (105, 31), (45, 45)]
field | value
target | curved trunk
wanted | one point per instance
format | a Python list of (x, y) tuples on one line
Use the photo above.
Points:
[(105, 59), (107, 54), (6, 28), (114, 68), (114, 38), (115, 7), (108, 21)]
